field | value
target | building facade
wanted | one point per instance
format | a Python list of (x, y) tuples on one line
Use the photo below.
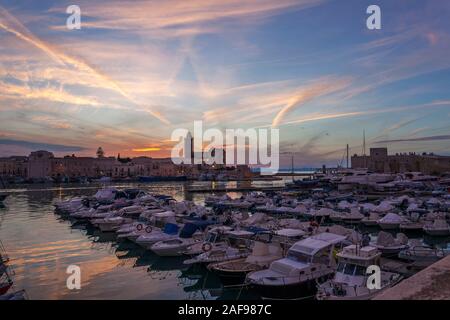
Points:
[(43, 165), (380, 161)]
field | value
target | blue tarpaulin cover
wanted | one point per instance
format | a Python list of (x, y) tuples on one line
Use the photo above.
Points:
[(171, 228)]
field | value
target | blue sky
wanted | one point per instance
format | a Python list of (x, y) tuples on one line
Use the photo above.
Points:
[(139, 69)]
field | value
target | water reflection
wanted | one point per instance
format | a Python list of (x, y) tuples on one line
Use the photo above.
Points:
[(42, 244)]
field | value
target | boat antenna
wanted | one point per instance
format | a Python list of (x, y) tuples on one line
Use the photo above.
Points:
[(292, 163), (347, 156)]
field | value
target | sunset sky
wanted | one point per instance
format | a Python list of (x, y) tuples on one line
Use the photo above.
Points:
[(137, 70)]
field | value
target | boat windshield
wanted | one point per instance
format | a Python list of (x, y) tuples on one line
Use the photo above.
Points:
[(351, 269), (299, 257)]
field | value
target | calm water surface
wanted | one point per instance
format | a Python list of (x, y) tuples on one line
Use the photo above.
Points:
[(41, 245)]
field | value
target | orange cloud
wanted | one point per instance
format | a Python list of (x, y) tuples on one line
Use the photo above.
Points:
[(10, 24), (149, 149)]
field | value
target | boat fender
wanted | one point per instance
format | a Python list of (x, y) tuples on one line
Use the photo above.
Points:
[(148, 229), (206, 247), (139, 227)]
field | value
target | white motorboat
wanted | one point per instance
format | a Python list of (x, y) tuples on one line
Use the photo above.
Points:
[(219, 253), (351, 279), (173, 247), (106, 195), (169, 232), (138, 230), (190, 233), (214, 237), (388, 245), (391, 221), (438, 228), (111, 223), (308, 262), (423, 255)]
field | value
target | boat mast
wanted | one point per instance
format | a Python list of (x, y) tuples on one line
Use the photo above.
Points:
[(364, 142), (347, 156), (292, 163)]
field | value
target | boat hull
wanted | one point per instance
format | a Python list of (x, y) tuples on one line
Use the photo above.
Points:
[(437, 233), (303, 290), (389, 226)]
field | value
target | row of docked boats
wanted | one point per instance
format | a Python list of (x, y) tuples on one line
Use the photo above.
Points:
[(303, 253)]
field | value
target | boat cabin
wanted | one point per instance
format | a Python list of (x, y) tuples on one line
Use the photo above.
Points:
[(353, 262)]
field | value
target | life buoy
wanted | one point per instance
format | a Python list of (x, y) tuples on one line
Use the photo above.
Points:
[(207, 247), (139, 227), (148, 229)]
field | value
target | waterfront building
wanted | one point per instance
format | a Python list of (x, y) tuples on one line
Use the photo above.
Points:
[(380, 161), (43, 165), (14, 166)]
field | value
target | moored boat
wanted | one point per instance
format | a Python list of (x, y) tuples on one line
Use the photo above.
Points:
[(352, 276)]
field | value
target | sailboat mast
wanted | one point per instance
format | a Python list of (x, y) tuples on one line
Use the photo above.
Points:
[(347, 156), (292, 163), (364, 142)]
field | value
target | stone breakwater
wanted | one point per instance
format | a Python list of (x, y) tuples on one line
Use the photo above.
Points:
[(432, 283)]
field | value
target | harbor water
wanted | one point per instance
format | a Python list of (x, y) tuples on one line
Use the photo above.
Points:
[(41, 245)]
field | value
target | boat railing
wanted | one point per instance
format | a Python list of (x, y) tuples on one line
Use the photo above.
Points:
[(423, 249)]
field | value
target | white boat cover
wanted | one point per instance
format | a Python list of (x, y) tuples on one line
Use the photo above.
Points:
[(310, 246), (386, 239), (391, 218), (290, 232)]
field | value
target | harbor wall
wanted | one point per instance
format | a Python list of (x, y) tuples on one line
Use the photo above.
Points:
[(432, 283)]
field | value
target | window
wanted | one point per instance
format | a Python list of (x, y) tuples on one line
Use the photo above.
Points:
[(349, 269), (340, 267), (360, 271)]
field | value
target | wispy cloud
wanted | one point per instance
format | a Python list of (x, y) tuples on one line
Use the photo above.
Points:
[(10, 24), (41, 145), (319, 88), (182, 18), (430, 138)]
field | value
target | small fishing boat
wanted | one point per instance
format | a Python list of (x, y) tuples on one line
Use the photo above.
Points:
[(390, 246), (218, 254), (438, 228), (351, 278), (423, 255), (234, 271), (307, 263)]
